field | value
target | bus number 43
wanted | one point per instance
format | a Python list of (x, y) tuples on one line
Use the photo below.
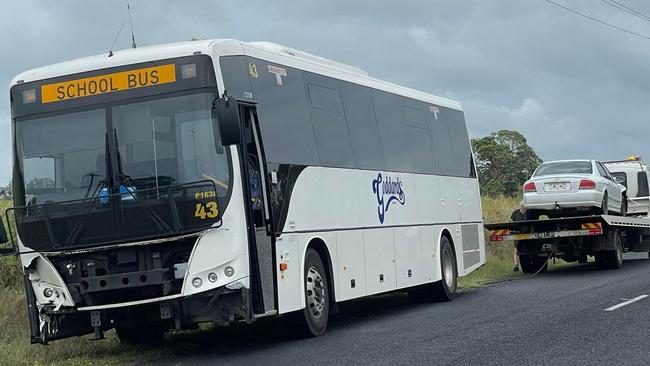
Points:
[(208, 210)]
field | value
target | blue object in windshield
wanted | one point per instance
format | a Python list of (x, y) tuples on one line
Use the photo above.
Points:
[(105, 197)]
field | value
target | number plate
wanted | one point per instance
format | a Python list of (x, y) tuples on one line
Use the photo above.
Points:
[(557, 186)]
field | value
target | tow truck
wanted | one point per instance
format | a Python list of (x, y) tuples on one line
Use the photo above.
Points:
[(573, 239)]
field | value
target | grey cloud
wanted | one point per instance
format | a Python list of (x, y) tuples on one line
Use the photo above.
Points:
[(573, 87)]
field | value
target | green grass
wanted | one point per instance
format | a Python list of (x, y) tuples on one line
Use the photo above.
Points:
[(14, 336), (499, 258)]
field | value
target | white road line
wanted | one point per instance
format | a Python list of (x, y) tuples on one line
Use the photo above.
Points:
[(628, 302)]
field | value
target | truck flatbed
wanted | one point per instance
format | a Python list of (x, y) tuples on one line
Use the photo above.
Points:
[(605, 237)]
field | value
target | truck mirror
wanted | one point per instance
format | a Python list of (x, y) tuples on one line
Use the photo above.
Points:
[(225, 113)]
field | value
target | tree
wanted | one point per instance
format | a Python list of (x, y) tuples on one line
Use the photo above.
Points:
[(504, 161)]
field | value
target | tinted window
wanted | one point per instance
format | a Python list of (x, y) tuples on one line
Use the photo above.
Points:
[(460, 144), (330, 127), (442, 150), (362, 127), (391, 131), (417, 137), (283, 111), (562, 167)]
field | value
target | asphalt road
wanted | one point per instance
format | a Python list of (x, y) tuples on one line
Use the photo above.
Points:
[(557, 318)]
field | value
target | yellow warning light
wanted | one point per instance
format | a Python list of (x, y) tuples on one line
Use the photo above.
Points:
[(633, 157)]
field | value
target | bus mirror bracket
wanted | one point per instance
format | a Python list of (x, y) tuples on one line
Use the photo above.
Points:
[(225, 113)]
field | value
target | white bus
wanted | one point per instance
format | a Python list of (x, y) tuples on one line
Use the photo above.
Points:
[(223, 181)]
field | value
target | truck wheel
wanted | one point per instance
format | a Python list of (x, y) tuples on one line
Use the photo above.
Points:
[(532, 263), (601, 259), (312, 320), (616, 255)]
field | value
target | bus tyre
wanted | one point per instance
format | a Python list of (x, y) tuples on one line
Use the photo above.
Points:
[(531, 263), (312, 320), (445, 289)]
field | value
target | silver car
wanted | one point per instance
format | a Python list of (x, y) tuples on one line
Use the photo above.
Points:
[(572, 187)]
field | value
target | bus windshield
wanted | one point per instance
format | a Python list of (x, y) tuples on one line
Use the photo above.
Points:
[(160, 142)]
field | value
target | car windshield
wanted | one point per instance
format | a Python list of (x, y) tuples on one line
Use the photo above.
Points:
[(564, 167)]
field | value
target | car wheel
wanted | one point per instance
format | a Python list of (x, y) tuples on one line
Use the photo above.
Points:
[(604, 210)]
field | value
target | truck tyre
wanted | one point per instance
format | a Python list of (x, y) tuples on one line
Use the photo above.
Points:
[(532, 263), (601, 259), (445, 289), (616, 255), (312, 320)]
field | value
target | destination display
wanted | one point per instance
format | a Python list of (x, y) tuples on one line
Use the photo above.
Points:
[(108, 83)]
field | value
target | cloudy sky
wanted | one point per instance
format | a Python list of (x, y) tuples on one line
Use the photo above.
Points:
[(573, 87)]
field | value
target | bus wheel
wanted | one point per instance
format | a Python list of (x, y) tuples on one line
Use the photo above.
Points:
[(445, 289), (312, 321)]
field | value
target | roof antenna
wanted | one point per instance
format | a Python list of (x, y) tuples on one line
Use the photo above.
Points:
[(110, 52), (128, 7)]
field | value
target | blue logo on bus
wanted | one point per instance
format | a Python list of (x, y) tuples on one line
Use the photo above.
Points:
[(388, 191)]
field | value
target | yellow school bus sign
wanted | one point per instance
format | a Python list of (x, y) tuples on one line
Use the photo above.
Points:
[(108, 83)]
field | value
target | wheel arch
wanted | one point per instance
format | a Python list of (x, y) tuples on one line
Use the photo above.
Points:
[(318, 244), (446, 232)]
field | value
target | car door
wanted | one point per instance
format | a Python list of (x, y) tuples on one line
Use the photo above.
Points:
[(613, 189)]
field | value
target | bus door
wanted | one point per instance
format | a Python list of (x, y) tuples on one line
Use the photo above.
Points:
[(258, 212)]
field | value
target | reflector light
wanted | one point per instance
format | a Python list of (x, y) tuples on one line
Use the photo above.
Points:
[(587, 184), (530, 187), (29, 96), (188, 71)]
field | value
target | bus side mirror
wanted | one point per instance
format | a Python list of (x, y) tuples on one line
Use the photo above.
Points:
[(225, 113), (3, 233), (4, 239)]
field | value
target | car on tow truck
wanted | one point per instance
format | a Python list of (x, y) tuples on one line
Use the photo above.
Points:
[(572, 187), (634, 174)]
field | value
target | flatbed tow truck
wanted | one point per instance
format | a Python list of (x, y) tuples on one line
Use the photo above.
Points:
[(606, 237)]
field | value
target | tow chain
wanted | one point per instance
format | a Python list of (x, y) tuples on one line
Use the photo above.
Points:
[(525, 277)]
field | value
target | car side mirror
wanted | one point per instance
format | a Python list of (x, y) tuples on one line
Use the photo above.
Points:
[(225, 113), (618, 179)]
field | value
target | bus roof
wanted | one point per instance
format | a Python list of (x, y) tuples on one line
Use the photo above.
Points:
[(229, 47)]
